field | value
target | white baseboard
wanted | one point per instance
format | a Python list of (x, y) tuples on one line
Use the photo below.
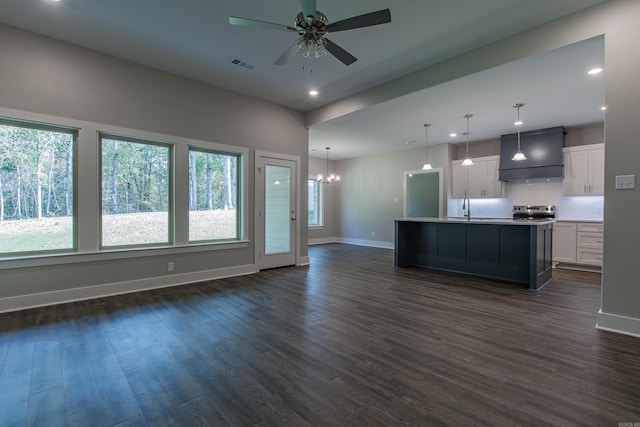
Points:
[(303, 260), (22, 302), (620, 324), (322, 241), (371, 243)]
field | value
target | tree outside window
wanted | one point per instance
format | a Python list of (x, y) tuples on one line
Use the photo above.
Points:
[(36, 187), (136, 193), (213, 196)]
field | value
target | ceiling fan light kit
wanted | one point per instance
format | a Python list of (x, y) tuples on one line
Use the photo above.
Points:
[(312, 26)]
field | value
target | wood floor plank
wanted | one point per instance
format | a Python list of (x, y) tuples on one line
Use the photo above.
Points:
[(151, 396), (46, 408), (14, 397), (47, 367), (348, 340), (116, 395)]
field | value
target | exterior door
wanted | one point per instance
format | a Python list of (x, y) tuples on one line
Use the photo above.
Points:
[(276, 211)]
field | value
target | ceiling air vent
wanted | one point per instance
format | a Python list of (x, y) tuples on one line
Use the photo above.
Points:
[(242, 64)]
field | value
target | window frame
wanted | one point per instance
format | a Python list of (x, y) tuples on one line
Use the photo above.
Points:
[(238, 196), (87, 200), (74, 132), (170, 188), (320, 192)]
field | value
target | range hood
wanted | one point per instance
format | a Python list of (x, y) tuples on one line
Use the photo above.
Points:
[(543, 149)]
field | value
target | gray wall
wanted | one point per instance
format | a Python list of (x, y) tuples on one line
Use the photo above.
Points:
[(617, 20), (327, 233), (42, 76), (371, 193)]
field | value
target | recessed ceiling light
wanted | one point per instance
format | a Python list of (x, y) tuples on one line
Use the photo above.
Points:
[(594, 71), (603, 108), (453, 135), (313, 92), (518, 123)]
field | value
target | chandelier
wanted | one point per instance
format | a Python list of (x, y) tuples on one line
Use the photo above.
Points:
[(328, 178)]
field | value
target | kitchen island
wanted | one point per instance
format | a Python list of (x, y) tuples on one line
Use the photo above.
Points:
[(512, 250)]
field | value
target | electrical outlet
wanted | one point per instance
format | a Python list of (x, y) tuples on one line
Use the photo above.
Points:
[(625, 182), (171, 266)]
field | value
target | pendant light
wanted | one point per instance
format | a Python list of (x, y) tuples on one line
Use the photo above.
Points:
[(467, 161), (426, 166), (328, 178), (519, 154)]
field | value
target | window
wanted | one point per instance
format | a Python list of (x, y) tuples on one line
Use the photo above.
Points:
[(213, 196), (36, 187), (136, 192), (315, 204)]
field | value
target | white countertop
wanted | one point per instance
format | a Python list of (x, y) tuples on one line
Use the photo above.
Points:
[(498, 221), (597, 221)]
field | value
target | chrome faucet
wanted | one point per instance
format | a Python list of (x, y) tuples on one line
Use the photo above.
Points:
[(466, 204)]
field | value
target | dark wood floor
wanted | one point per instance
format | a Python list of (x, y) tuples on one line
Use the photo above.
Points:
[(347, 341)]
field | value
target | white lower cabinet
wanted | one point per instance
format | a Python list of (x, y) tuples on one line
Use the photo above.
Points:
[(578, 243), (564, 242), (589, 239)]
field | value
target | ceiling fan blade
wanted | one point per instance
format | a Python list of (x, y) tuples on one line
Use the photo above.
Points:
[(287, 55), (343, 56), (244, 22), (366, 20), (309, 9)]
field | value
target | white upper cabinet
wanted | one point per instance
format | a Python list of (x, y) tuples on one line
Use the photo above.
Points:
[(458, 179), (583, 170), (480, 179)]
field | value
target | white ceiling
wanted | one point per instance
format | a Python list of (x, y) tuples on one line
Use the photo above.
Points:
[(554, 86), (193, 38)]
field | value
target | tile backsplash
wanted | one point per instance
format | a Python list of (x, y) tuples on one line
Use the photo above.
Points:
[(589, 208)]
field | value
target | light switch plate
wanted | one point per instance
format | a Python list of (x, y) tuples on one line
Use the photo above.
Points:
[(625, 182)]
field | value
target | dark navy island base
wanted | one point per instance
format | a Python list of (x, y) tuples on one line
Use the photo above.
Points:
[(512, 250)]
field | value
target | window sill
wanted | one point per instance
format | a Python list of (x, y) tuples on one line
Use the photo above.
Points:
[(114, 254)]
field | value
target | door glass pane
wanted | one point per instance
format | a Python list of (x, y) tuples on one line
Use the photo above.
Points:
[(424, 194), (277, 214)]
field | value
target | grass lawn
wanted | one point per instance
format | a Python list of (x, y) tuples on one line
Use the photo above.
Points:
[(44, 234)]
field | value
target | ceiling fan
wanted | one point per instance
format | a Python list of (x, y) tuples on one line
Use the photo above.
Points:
[(312, 25)]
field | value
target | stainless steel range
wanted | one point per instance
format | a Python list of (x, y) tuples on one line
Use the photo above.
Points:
[(534, 212)]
